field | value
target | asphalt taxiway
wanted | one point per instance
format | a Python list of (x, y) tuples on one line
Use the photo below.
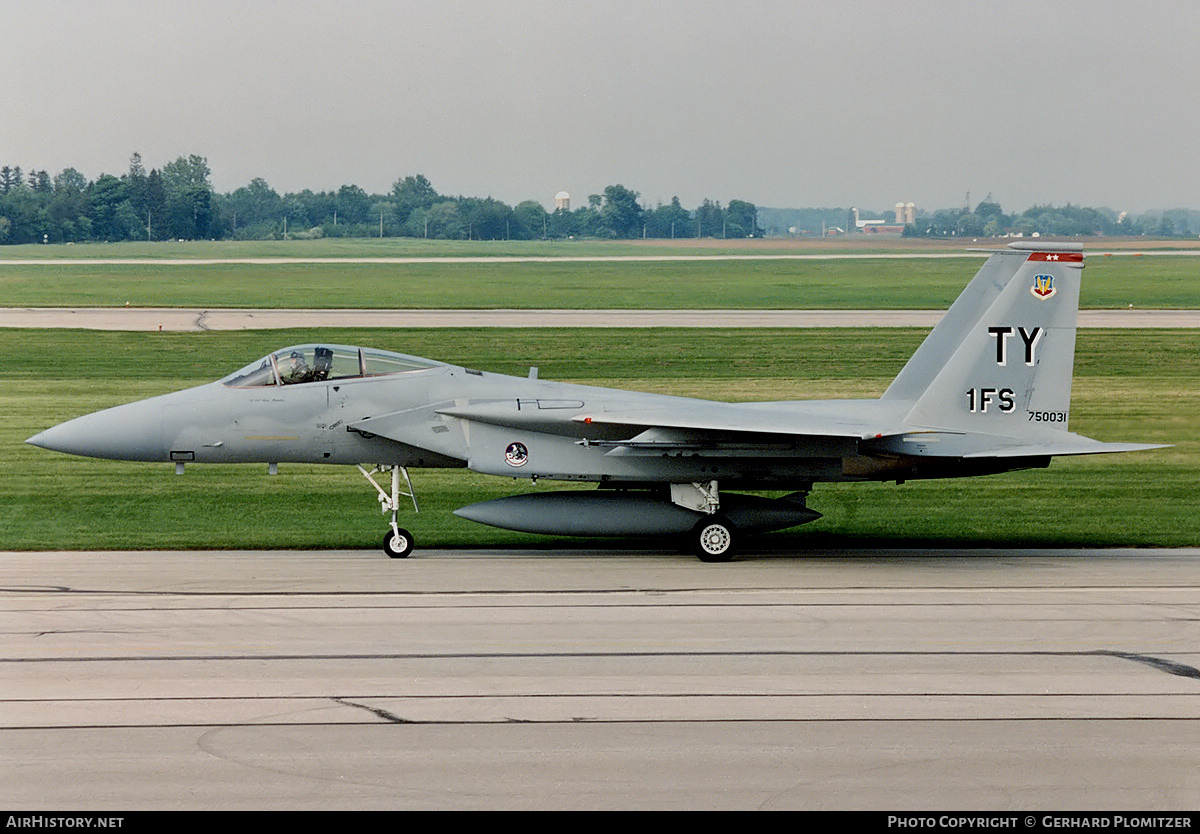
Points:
[(180, 319), (1024, 680)]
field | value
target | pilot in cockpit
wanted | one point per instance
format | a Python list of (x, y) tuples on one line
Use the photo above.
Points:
[(298, 370)]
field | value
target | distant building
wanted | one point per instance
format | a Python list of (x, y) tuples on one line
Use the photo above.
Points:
[(879, 227), (562, 201), (904, 211)]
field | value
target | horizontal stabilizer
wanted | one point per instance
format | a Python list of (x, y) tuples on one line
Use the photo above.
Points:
[(1071, 444)]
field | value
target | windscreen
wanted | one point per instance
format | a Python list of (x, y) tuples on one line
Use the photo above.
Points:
[(317, 363)]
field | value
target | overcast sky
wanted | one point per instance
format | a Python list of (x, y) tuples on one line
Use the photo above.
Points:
[(843, 103)]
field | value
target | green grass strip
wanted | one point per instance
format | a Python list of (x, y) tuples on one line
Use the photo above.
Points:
[(1129, 385)]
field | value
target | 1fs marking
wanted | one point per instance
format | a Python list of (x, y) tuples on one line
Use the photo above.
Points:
[(982, 400)]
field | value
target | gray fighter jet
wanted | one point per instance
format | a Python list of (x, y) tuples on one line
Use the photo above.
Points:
[(988, 391)]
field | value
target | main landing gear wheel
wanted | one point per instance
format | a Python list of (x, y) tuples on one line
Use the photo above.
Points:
[(713, 539), (398, 544)]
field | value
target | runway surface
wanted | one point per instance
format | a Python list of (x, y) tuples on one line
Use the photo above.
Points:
[(182, 319), (894, 680)]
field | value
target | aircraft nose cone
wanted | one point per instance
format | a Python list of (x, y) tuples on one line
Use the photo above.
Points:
[(39, 439), (127, 432)]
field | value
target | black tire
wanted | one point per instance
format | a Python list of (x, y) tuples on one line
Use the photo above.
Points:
[(713, 539), (399, 544)]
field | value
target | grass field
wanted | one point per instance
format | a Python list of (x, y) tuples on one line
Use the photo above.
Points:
[(394, 247), (1116, 282), (414, 247), (1130, 385)]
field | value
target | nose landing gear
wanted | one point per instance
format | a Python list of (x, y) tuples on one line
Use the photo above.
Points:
[(398, 542)]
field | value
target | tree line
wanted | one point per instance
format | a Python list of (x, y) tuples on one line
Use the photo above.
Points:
[(989, 220), (179, 202)]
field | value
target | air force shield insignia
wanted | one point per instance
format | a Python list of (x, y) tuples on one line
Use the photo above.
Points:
[(1043, 287)]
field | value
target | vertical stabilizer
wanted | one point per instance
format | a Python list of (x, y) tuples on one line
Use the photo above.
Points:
[(1001, 360)]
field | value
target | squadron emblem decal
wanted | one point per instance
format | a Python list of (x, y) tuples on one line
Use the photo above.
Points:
[(1043, 287), (516, 454)]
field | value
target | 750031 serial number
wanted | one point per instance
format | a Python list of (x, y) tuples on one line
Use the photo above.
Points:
[(1047, 417)]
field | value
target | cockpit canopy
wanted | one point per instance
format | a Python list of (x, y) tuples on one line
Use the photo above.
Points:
[(316, 363)]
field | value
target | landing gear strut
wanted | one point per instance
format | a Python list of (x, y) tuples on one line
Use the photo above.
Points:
[(398, 542)]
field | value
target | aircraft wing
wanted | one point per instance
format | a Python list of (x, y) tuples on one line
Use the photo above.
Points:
[(682, 425), (633, 429), (852, 419), (722, 418), (829, 427)]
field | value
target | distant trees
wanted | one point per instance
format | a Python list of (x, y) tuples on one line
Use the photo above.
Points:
[(178, 201), (1066, 221), (251, 211), (989, 220), (189, 198), (620, 214), (532, 220), (412, 194), (741, 220), (352, 205), (670, 221)]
